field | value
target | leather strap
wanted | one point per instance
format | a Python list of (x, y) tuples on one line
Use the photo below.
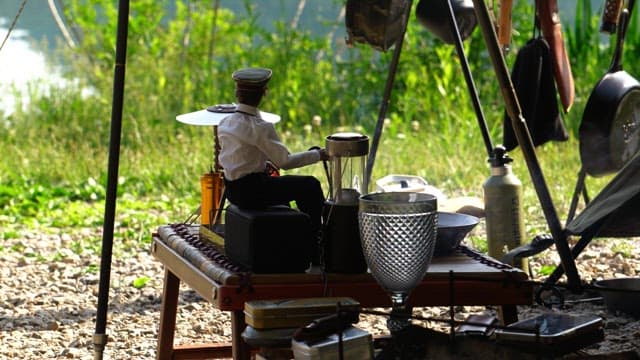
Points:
[(552, 31)]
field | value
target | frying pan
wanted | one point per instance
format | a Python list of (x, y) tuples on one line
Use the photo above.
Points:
[(610, 130), (621, 294)]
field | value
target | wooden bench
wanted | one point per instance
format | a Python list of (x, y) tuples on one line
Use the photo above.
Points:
[(464, 278)]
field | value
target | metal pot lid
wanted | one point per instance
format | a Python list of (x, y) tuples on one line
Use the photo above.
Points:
[(610, 135), (347, 144), (624, 139), (212, 115), (347, 136)]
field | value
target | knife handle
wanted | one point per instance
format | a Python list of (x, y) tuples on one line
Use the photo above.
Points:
[(504, 24), (610, 16)]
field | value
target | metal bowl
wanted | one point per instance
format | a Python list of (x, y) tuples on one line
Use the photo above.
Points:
[(452, 228), (621, 295)]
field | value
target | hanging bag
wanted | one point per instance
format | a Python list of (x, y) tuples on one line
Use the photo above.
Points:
[(379, 23), (533, 79)]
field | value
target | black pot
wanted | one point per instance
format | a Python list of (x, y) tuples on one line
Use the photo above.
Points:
[(452, 228), (341, 247), (434, 15), (610, 128), (621, 295)]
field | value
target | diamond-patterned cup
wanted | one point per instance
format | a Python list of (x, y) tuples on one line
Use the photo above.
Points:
[(398, 235)]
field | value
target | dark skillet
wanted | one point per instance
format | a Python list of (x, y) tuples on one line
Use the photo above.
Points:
[(609, 132)]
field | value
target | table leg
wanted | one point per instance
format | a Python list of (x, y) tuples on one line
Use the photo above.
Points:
[(241, 351), (168, 316), (507, 314)]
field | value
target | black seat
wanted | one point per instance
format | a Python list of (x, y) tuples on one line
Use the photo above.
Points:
[(614, 212)]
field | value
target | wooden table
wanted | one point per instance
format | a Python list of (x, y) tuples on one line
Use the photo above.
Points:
[(464, 278)]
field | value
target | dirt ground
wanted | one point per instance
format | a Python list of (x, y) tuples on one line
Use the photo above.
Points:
[(48, 308)]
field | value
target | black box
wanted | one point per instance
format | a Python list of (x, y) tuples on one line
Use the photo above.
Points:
[(342, 249), (273, 240)]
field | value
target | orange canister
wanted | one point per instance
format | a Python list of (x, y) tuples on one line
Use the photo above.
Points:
[(211, 185)]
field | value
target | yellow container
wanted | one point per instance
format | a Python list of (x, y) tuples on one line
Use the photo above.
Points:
[(211, 185)]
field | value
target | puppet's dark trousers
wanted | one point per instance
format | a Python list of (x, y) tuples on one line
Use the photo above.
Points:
[(259, 190)]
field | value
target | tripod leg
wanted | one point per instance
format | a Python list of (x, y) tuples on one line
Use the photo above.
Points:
[(580, 188), (575, 251)]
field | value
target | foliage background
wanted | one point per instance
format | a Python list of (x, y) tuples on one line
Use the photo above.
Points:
[(55, 147)]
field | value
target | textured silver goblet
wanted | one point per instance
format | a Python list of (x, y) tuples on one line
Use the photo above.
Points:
[(398, 235)]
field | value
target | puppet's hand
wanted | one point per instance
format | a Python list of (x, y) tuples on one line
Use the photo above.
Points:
[(272, 169)]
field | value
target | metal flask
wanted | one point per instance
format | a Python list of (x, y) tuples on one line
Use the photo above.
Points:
[(503, 208)]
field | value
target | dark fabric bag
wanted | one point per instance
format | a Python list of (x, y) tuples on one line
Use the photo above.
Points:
[(533, 81), (379, 23)]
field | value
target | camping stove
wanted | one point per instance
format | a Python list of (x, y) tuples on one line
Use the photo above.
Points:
[(342, 252)]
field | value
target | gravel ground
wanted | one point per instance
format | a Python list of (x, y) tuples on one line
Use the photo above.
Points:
[(47, 308)]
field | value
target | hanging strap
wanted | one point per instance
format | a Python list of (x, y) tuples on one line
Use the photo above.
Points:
[(552, 32), (504, 24)]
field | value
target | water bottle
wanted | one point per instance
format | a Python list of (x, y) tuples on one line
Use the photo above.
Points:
[(503, 208)]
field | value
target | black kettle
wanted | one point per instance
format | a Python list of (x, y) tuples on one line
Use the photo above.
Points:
[(434, 15)]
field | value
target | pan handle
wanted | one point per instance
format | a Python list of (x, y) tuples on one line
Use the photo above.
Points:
[(616, 63), (610, 16)]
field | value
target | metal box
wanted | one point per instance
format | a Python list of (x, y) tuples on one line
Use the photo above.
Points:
[(356, 344), (289, 313), (550, 329), (273, 240)]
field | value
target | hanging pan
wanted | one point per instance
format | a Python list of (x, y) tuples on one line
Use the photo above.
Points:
[(610, 129)]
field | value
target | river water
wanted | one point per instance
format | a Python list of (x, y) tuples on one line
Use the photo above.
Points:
[(23, 59)]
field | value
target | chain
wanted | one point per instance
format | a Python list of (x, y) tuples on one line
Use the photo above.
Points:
[(206, 249), (484, 259)]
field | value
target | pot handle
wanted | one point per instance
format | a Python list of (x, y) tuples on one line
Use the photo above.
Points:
[(616, 63)]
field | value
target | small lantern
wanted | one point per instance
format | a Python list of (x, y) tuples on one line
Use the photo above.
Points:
[(347, 157)]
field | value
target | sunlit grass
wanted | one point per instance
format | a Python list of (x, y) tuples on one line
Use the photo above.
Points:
[(53, 171)]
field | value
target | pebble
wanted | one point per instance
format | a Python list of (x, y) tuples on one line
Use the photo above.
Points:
[(48, 307)]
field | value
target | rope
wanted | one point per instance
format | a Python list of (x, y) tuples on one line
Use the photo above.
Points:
[(63, 28), (298, 14), (13, 23)]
